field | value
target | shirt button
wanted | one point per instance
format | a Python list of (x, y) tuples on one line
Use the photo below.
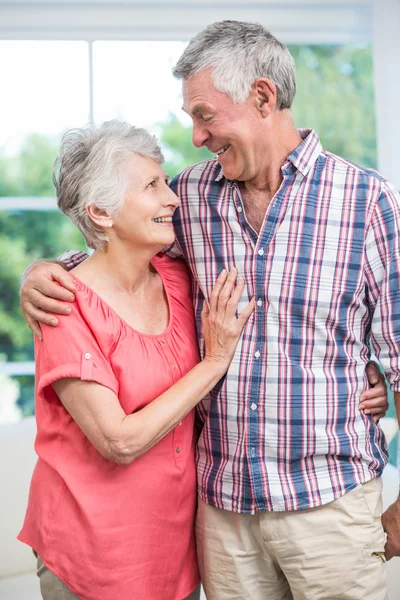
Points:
[(253, 406), (178, 450), (87, 355), (253, 452), (261, 251), (257, 354), (240, 209), (259, 302)]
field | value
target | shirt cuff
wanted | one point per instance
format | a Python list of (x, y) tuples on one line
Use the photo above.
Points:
[(72, 258)]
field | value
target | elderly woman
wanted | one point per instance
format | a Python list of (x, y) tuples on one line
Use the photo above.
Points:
[(113, 494)]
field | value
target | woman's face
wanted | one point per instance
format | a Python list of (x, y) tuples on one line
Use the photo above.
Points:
[(146, 216)]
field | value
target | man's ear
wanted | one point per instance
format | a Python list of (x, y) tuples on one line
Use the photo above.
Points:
[(264, 91)]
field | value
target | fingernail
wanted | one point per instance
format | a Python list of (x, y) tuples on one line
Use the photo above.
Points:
[(72, 298), (367, 412), (68, 310), (53, 322), (361, 406)]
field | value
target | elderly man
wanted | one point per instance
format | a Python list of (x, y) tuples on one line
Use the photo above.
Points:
[(289, 463)]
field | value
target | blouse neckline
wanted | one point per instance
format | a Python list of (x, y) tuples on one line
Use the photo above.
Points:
[(114, 312)]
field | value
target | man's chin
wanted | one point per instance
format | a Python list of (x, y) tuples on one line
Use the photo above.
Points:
[(230, 172)]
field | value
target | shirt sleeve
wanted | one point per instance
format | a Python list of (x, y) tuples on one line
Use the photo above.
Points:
[(382, 272), (71, 350), (72, 258)]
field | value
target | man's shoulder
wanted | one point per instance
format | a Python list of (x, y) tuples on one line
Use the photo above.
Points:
[(365, 178), (206, 171), (345, 166)]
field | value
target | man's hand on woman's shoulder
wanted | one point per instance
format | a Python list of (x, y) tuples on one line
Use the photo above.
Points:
[(45, 287)]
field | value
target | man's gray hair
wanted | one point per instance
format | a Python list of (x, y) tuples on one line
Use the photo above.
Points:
[(239, 53), (90, 170)]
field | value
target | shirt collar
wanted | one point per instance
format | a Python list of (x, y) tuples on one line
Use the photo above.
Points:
[(302, 158), (305, 155)]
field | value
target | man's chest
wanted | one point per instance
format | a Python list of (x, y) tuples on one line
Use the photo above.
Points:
[(305, 259)]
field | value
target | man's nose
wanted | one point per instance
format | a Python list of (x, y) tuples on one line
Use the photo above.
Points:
[(199, 136)]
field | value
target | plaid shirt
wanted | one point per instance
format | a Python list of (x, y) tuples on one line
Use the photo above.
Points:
[(282, 430)]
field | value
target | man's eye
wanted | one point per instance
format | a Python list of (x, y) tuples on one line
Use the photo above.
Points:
[(206, 119), (152, 184)]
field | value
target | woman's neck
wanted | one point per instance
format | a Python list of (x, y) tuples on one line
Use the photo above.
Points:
[(123, 269)]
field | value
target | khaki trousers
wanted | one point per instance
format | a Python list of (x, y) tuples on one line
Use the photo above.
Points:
[(333, 552), (52, 588)]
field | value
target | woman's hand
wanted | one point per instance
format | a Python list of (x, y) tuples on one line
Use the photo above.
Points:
[(374, 401), (221, 327), (44, 283)]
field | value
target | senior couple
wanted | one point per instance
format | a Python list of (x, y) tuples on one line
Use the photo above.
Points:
[(294, 259)]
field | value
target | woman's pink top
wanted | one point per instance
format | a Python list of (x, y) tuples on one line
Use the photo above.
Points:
[(115, 532)]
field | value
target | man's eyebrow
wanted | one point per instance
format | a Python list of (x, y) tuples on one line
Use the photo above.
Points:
[(198, 108)]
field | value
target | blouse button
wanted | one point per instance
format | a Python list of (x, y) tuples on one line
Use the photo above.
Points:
[(174, 367), (87, 355), (180, 423), (178, 450)]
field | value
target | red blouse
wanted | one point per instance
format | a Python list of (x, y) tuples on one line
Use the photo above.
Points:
[(109, 531)]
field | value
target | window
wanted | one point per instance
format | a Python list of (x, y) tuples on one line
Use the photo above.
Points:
[(64, 84)]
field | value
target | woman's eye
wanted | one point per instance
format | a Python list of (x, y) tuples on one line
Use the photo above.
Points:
[(152, 184)]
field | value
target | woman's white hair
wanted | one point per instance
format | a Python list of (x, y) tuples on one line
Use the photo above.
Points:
[(90, 170), (239, 53)]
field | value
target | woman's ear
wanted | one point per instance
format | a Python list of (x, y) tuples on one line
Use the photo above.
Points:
[(99, 216)]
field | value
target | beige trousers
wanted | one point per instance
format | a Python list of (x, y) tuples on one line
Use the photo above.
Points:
[(52, 588), (333, 552)]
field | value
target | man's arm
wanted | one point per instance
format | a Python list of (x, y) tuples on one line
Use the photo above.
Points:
[(382, 273), (391, 517), (45, 283)]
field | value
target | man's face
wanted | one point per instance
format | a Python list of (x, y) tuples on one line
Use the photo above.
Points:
[(232, 131)]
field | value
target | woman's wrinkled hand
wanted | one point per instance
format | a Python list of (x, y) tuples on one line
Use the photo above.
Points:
[(222, 327)]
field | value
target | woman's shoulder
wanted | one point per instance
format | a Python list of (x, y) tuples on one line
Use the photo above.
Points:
[(175, 271), (89, 317)]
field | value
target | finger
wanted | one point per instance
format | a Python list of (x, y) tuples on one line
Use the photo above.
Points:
[(389, 552), (374, 411), (66, 281), (35, 327), (52, 289), (234, 300), (376, 418), (205, 310), (226, 290), (48, 304), (371, 393), (246, 312), (41, 316), (216, 290), (375, 404), (373, 372)]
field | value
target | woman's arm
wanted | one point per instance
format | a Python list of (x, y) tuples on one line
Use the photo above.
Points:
[(123, 438)]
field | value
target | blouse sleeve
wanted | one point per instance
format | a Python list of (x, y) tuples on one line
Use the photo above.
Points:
[(71, 350)]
